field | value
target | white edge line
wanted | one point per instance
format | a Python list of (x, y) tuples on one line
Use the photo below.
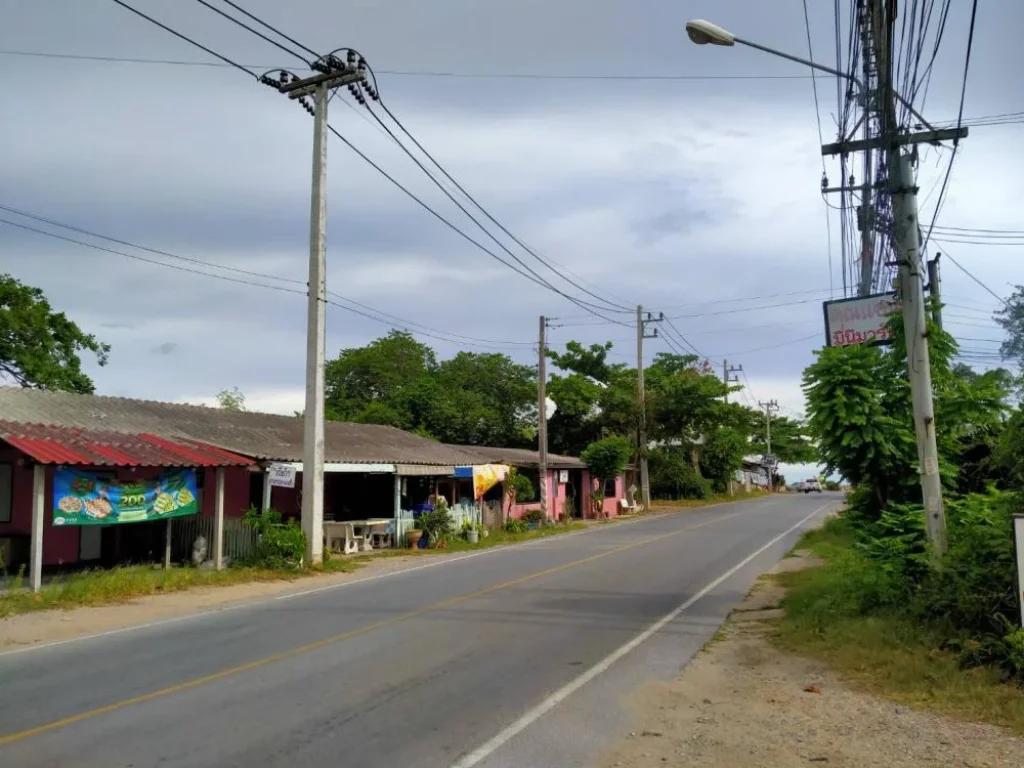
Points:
[(484, 751), (262, 601)]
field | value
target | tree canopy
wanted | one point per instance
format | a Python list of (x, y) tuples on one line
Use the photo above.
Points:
[(41, 348)]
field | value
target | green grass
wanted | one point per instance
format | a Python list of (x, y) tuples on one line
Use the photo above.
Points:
[(99, 587), (828, 618), (662, 505)]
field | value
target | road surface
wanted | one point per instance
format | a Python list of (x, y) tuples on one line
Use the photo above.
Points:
[(522, 656)]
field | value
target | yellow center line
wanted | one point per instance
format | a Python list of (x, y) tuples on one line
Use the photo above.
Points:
[(341, 637)]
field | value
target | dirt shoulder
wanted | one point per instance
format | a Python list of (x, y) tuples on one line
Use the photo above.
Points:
[(742, 702)]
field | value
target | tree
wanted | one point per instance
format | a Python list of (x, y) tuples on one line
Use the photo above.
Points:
[(377, 383), (40, 348), (721, 455), (231, 399), (1011, 318), (606, 459)]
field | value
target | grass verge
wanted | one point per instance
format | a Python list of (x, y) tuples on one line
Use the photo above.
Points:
[(882, 651), (660, 505)]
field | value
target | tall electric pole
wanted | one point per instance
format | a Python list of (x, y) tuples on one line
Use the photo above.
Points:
[(769, 408), (729, 376), (542, 417), (641, 398), (935, 289), (896, 155), (331, 74)]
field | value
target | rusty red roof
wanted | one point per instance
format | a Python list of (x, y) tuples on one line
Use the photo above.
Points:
[(71, 445)]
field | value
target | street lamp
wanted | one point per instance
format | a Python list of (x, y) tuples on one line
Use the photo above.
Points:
[(703, 32)]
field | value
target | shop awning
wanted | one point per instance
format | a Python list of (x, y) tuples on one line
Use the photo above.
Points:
[(66, 445), (332, 467)]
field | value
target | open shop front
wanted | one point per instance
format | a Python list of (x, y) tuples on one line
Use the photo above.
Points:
[(87, 498)]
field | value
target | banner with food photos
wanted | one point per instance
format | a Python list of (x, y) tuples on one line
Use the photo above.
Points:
[(84, 498)]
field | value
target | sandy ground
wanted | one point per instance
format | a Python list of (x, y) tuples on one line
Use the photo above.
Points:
[(49, 626), (741, 702)]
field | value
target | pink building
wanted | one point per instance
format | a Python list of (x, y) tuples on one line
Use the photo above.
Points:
[(568, 482)]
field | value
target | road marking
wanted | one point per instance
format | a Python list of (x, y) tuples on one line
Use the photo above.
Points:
[(344, 584), (484, 751), (319, 644)]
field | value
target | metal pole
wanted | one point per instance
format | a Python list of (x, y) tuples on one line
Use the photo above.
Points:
[(935, 286), (905, 235), (542, 418), (725, 378), (316, 342), (645, 485), (167, 544), (35, 565)]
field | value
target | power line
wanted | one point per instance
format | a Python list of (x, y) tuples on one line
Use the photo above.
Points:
[(429, 331), (473, 200), (276, 31), (959, 124), (773, 346), (393, 72), (259, 34), (746, 309), (458, 231), (962, 268), (151, 20)]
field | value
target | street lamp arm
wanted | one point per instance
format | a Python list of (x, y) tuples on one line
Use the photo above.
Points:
[(805, 62)]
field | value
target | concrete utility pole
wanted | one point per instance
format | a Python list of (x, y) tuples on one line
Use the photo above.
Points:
[(769, 408), (729, 376), (542, 417), (935, 289), (318, 85), (876, 21), (641, 398)]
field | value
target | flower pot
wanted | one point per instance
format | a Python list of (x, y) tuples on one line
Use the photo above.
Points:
[(473, 536), (413, 537)]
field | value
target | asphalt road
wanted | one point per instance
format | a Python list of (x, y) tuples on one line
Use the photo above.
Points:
[(514, 657)]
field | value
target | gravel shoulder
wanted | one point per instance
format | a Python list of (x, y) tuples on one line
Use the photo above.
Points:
[(742, 702)]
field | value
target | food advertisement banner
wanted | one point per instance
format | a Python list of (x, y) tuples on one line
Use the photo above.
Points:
[(82, 498)]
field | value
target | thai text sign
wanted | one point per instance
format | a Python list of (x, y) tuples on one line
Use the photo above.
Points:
[(83, 498), (281, 475), (859, 321)]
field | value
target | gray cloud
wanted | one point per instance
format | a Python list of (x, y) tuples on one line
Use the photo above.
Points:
[(682, 195)]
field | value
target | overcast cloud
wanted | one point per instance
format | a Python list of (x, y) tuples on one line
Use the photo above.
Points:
[(690, 196)]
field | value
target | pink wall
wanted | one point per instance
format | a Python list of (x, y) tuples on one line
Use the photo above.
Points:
[(61, 544), (556, 495)]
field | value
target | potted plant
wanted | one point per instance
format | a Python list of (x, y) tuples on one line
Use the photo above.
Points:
[(472, 534), (413, 536)]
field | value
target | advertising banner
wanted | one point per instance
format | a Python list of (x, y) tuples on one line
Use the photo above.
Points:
[(83, 498), (486, 476), (861, 320)]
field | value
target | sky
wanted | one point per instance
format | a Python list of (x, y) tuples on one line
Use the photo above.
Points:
[(695, 193)]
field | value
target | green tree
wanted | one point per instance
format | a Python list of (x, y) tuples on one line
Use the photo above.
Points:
[(40, 348), (1011, 318), (231, 399), (721, 455), (377, 383), (606, 459)]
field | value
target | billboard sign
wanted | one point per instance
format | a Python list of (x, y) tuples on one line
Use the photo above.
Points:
[(860, 320)]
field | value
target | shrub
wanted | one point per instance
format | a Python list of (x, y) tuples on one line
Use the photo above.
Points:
[(437, 524), (532, 517), (672, 477), (279, 545), (516, 525)]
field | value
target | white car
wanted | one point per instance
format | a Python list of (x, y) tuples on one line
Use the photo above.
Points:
[(811, 485)]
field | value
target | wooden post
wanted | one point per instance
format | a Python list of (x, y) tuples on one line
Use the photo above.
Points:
[(218, 523), (167, 545), (399, 532), (38, 513)]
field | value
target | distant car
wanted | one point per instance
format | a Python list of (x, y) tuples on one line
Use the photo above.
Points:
[(811, 485)]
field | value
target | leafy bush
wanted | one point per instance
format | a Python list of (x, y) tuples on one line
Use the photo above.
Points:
[(533, 517), (607, 458), (279, 545), (437, 524), (516, 525), (672, 477)]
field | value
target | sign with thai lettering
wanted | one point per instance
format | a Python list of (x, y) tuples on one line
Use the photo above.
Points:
[(861, 320), (84, 498), (282, 475)]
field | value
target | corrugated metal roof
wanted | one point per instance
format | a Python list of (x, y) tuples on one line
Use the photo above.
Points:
[(260, 435), (525, 457), (49, 444)]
